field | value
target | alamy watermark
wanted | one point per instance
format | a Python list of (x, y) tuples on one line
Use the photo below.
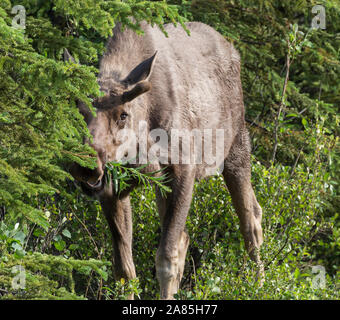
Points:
[(319, 21), (319, 280), (179, 146), (19, 21), (19, 280)]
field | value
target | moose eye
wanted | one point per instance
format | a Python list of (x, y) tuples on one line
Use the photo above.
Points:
[(123, 116)]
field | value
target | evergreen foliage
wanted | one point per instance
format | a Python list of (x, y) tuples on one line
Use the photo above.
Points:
[(120, 174), (41, 129)]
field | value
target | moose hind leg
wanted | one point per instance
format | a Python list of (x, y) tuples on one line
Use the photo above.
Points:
[(237, 177), (170, 266), (182, 252)]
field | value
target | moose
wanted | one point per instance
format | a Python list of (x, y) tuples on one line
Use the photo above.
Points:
[(184, 82)]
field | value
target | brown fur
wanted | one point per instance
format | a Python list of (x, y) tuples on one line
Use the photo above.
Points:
[(192, 82)]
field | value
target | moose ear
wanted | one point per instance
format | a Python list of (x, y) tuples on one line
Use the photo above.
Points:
[(142, 71), (68, 57), (84, 111), (137, 90)]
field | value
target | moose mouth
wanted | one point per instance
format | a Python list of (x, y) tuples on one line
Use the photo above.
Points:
[(96, 185), (93, 188)]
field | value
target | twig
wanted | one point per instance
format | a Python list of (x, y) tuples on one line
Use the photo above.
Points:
[(78, 154), (277, 122), (29, 235), (99, 292), (280, 250), (7, 53), (88, 283), (296, 162), (87, 230), (194, 269), (253, 123)]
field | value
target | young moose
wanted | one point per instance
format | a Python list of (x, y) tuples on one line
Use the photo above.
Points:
[(181, 82)]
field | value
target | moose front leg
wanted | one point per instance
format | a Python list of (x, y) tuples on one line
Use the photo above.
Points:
[(119, 217), (171, 253)]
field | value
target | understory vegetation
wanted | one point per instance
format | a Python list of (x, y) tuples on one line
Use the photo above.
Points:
[(54, 240)]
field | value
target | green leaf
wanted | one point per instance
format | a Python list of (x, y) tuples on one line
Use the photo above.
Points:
[(304, 122), (60, 245), (39, 233), (73, 246), (66, 233)]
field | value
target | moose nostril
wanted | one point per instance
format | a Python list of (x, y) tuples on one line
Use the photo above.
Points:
[(96, 184)]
